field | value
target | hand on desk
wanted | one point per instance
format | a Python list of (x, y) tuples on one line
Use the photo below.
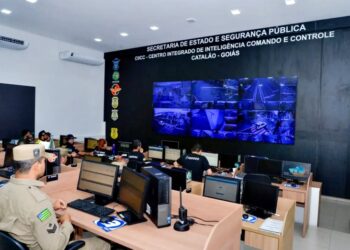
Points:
[(64, 218), (59, 204)]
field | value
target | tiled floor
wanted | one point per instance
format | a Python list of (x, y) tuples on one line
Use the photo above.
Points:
[(333, 233)]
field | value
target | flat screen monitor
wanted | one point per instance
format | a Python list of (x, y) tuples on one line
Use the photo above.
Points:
[(93, 158), (227, 160), (296, 171), (179, 177), (53, 167), (272, 168), (155, 152), (212, 158), (99, 179), (90, 144), (133, 191), (124, 147), (172, 154), (260, 198), (170, 144), (222, 188), (251, 164)]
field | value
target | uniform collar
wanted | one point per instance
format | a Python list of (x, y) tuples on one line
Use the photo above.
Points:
[(26, 182)]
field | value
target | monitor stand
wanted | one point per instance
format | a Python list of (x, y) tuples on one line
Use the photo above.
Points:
[(99, 200), (258, 212), (295, 181), (130, 218)]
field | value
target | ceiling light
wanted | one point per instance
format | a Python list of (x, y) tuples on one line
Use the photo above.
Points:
[(154, 28), (32, 1), (289, 2), (124, 34), (6, 11), (235, 12), (191, 20), (97, 39)]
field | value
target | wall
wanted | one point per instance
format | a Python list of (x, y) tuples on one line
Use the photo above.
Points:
[(69, 96)]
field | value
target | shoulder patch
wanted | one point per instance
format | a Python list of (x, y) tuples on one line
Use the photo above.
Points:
[(38, 195), (44, 215)]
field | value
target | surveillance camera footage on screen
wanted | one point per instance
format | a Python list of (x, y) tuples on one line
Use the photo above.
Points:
[(244, 109)]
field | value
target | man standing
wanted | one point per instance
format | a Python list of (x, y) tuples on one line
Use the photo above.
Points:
[(27, 213)]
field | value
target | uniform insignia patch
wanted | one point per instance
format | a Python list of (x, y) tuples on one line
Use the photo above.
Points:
[(52, 228), (44, 215)]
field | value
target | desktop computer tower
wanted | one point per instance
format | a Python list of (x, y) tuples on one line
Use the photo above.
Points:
[(158, 203)]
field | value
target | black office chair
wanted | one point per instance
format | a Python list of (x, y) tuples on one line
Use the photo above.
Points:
[(261, 178), (9, 243)]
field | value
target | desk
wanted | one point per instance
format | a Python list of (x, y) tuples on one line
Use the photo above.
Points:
[(147, 235)]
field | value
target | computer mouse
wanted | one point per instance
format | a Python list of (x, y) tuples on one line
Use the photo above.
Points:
[(294, 185), (106, 219), (245, 216)]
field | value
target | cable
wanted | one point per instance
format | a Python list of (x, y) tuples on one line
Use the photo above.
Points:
[(208, 225), (210, 221)]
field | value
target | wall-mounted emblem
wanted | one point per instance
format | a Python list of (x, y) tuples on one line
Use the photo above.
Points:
[(115, 102), (115, 89), (114, 114), (115, 76), (116, 62), (114, 133)]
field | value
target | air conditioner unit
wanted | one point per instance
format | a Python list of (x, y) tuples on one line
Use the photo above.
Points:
[(74, 57), (12, 43)]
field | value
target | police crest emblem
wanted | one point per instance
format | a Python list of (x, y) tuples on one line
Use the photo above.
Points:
[(115, 102), (114, 133), (114, 114)]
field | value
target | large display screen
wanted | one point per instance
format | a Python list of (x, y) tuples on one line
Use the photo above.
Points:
[(245, 109)]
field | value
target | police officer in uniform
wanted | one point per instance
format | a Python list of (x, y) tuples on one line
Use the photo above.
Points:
[(195, 162), (136, 156), (27, 213)]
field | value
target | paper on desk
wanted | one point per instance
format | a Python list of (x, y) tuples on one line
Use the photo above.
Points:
[(272, 225), (109, 226)]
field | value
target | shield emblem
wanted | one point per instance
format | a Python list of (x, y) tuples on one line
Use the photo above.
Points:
[(114, 114), (116, 64), (115, 102), (114, 133), (115, 76)]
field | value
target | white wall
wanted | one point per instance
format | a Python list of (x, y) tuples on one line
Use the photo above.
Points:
[(69, 96)]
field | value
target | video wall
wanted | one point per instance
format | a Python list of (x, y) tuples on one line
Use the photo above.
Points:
[(244, 109)]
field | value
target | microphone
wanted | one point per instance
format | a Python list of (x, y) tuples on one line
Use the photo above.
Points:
[(182, 224)]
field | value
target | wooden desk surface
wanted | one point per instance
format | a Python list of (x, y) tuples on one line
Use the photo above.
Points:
[(147, 235)]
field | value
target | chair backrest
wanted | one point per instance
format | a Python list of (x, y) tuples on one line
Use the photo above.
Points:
[(9, 243), (261, 178)]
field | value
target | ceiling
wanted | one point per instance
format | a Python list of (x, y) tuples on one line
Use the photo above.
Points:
[(80, 21)]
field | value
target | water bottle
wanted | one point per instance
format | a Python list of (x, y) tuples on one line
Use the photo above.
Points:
[(113, 149)]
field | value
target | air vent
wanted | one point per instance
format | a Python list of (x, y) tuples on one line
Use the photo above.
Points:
[(12, 43)]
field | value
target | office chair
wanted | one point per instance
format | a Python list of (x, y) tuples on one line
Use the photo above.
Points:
[(261, 178), (9, 243)]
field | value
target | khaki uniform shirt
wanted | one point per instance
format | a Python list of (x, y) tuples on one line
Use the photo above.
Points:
[(27, 214)]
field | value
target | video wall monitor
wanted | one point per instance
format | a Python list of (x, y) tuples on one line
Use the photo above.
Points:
[(296, 171), (244, 109), (99, 179), (133, 191), (212, 158), (155, 152), (260, 198), (172, 154), (222, 188), (90, 144)]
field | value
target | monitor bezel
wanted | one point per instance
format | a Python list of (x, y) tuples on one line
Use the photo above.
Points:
[(237, 181)]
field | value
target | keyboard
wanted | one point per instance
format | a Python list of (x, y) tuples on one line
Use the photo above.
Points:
[(90, 208)]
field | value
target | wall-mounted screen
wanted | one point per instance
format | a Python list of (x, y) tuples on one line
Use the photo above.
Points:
[(245, 109)]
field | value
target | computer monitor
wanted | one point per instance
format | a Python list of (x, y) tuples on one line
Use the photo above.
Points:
[(133, 189), (171, 154), (53, 167), (296, 171), (179, 177), (99, 179), (155, 152), (260, 198), (222, 188), (90, 144), (63, 140), (212, 158), (251, 163), (93, 158), (227, 160), (124, 147), (272, 168), (170, 144)]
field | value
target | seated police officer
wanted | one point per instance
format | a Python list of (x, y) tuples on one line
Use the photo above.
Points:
[(27, 213), (195, 162), (136, 156)]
